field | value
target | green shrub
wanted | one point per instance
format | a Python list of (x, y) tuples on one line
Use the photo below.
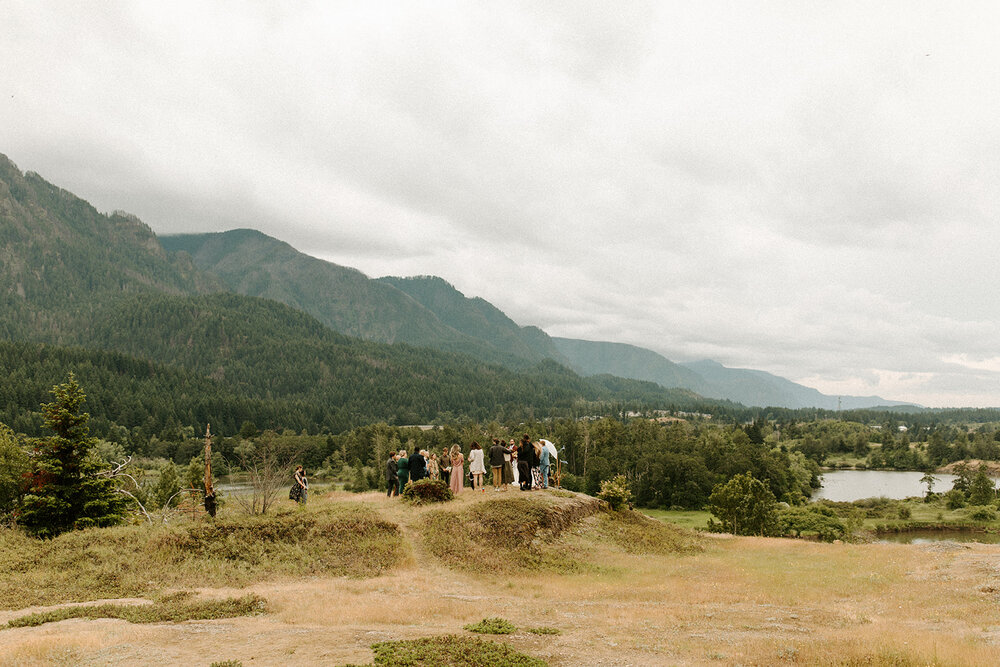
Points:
[(450, 651), (545, 631), (427, 491), (982, 513), (811, 520), (954, 499), (616, 492), (492, 626), (905, 512)]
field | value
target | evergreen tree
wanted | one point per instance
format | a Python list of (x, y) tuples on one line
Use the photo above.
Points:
[(66, 489), (13, 467), (981, 490)]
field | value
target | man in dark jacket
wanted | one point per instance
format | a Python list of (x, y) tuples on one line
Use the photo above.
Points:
[(391, 480), (418, 466), (496, 462)]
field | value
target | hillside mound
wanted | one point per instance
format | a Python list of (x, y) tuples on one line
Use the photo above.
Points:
[(530, 532), (333, 540)]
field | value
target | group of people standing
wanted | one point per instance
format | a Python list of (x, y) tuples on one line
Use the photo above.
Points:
[(525, 463)]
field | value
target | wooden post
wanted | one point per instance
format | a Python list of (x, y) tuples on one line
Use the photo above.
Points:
[(209, 489)]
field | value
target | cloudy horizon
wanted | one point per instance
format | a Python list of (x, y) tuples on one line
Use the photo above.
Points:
[(805, 189)]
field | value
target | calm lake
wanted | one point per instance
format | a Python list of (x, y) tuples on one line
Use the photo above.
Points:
[(849, 485)]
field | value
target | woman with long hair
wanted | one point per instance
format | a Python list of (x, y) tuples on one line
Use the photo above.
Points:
[(508, 469), (457, 469), (433, 471), (477, 466), (402, 470)]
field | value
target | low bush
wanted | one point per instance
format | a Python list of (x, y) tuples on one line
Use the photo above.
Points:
[(954, 499), (492, 626), (812, 520), (450, 651), (544, 630), (427, 491)]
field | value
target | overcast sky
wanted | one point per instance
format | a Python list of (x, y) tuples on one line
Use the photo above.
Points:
[(806, 188)]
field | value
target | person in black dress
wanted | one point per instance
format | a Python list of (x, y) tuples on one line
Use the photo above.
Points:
[(525, 450)]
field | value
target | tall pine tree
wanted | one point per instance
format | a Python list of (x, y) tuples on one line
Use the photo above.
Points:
[(66, 491)]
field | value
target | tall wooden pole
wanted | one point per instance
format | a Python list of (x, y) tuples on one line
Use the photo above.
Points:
[(209, 489)]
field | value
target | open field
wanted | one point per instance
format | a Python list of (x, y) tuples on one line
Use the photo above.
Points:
[(620, 593)]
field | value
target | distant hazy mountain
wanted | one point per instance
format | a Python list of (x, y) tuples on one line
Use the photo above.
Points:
[(752, 387), (708, 378), (623, 360)]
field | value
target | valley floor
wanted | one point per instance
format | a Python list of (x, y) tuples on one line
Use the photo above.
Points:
[(744, 601)]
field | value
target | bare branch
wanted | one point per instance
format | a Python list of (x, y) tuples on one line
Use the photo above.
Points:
[(148, 518)]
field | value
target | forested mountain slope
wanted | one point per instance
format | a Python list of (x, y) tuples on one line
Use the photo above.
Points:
[(344, 299), (478, 317), (59, 255), (427, 312), (264, 349)]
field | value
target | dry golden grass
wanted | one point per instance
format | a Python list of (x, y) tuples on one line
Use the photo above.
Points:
[(748, 601)]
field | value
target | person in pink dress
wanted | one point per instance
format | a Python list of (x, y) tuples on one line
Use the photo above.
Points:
[(457, 469)]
